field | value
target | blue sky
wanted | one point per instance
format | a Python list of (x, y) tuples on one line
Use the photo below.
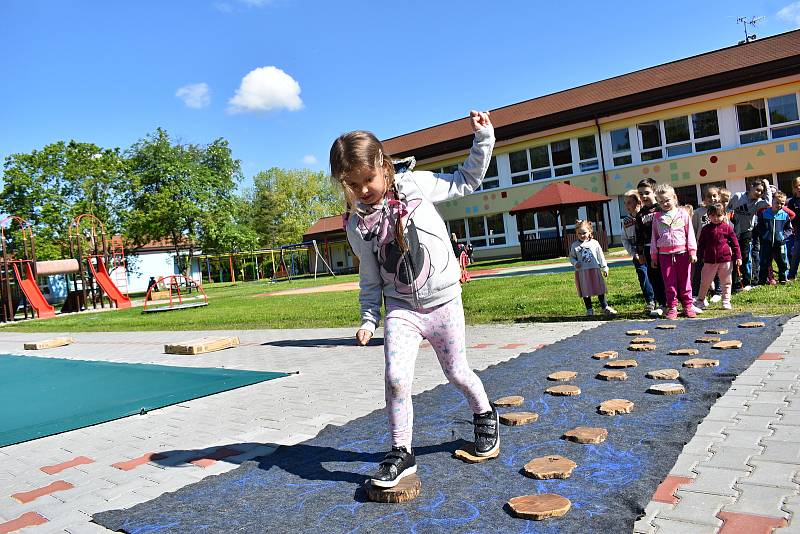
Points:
[(280, 79)]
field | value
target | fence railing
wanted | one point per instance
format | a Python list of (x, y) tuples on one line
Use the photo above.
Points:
[(554, 247)]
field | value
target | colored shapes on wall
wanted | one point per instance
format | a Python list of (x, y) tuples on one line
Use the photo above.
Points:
[(628, 185), (594, 189), (792, 147), (673, 165), (474, 209), (646, 170), (760, 152), (486, 207), (503, 194), (749, 166), (674, 176), (732, 167), (467, 210), (593, 178), (494, 196), (656, 168), (686, 175), (485, 197), (779, 149), (703, 172), (713, 159), (617, 176)]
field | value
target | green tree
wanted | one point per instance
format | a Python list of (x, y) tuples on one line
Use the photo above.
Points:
[(286, 202), (52, 186), (183, 193)]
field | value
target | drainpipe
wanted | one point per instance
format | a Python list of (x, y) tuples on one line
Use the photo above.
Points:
[(605, 179)]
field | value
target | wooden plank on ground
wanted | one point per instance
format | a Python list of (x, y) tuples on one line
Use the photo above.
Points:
[(49, 343), (202, 345)]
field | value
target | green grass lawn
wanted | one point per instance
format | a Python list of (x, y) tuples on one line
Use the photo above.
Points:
[(541, 298)]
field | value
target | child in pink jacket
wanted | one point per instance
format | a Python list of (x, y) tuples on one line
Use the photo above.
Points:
[(673, 247)]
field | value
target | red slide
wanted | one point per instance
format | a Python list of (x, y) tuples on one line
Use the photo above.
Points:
[(108, 285), (33, 293)]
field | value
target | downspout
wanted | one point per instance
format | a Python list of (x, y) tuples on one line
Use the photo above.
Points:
[(605, 179)]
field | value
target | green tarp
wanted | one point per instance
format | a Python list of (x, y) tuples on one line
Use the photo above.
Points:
[(44, 396)]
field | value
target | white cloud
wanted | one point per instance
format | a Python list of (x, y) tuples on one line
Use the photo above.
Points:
[(310, 159), (256, 3), (266, 89), (194, 95), (791, 13)]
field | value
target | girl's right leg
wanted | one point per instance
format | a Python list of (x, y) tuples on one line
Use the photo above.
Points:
[(401, 341)]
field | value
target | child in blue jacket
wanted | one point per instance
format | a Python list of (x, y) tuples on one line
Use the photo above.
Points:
[(774, 225)]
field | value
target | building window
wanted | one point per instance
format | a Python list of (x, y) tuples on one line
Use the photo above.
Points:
[(705, 131), (542, 224), (650, 140), (491, 180), (621, 147), (773, 118), (480, 231), (694, 133), (562, 157), (587, 154), (785, 181)]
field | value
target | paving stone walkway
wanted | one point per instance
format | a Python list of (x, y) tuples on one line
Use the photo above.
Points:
[(740, 472)]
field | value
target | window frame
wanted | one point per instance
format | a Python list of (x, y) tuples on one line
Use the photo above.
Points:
[(769, 128), (487, 238), (623, 153)]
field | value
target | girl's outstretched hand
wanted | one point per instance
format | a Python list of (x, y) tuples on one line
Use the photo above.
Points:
[(479, 119), (363, 337)]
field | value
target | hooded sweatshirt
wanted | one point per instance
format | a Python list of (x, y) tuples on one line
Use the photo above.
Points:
[(428, 274), (745, 209), (672, 233), (718, 243)]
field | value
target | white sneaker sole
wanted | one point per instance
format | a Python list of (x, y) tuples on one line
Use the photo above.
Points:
[(392, 483)]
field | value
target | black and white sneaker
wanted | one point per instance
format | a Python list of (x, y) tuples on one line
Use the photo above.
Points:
[(487, 432), (398, 464)]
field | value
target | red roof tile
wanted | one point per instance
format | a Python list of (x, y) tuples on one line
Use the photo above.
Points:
[(326, 225), (559, 194)]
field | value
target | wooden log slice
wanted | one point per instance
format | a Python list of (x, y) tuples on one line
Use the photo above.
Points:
[(636, 332), (540, 506), (562, 375), (642, 347), (663, 374), (547, 467), (518, 418), (751, 324), (49, 343), (638, 340), (666, 327), (563, 391), (612, 375), (695, 363), (605, 355), (510, 401), (666, 389), (730, 344), (467, 454), (615, 406), (406, 490), (719, 331), (684, 352), (585, 434), (707, 339), (619, 364)]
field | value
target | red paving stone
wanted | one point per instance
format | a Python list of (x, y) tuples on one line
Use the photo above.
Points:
[(513, 346), (484, 272), (127, 465), (665, 492), (210, 459), (738, 523), (771, 356), (27, 496), (28, 519), (57, 468), (482, 346)]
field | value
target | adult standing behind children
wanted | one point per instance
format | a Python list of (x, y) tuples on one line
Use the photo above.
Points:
[(644, 232), (586, 255), (407, 260), (719, 249), (745, 206), (633, 204)]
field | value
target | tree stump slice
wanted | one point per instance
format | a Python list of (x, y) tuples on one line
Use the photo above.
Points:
[(406, 490), (708, 339), (666, 327), (49, 343), (663, 374), (547, 467), (636, 333), (510, 401), (642, 347), (605, 355), (639, 340), (730, 344), (684, 352), (666, 389), (540, 506), (467, 454), (751, 324), (696, 363), (615, 406), (619, 364), (518, 418), (563, 391), (719, 331), (562, 375), (586, 435), (612, 375)]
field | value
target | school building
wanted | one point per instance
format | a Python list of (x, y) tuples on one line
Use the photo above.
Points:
[(718, 118)]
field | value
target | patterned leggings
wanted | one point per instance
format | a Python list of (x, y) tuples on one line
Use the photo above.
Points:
[(404, 329)]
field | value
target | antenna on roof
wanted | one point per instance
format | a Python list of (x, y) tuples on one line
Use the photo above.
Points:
[(752, 21)]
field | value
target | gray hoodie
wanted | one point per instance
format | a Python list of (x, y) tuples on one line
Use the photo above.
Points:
[(430, 262), (745, 209)]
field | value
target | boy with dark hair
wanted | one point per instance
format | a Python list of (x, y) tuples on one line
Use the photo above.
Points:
[(633, 203), (644, 233)]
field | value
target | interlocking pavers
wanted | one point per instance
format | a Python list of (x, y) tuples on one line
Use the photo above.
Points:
[(786, 433), (669, 526), (735, 437), (771, 474), (733, 457), (758, 423), (713, 480), (760, 500), (765, 409), (699, 508), (780, 451)]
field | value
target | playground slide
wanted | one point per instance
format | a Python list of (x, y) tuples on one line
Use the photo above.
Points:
[(108, 285), (33, 293)]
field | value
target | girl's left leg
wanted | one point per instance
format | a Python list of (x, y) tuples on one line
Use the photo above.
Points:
[(683, 281)]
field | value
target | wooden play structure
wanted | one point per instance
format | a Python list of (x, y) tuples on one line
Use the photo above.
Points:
[(19, 271), (174, 292)]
